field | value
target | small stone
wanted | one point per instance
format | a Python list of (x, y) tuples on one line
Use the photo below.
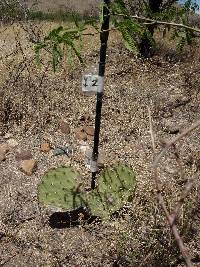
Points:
[(12, 143), (81, 134), (4, 148), (90, 137), (63, 150), (23, 155), (58, 152), (45, 147), (171, 127), (64, 127), (28, 166), (89, 130)]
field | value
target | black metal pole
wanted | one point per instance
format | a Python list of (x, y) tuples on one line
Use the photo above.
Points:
[(104, 39)]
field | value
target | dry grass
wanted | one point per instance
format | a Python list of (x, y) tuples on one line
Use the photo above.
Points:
[(82, 7), (32, 103)]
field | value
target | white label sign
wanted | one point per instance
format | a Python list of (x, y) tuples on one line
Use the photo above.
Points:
[(92, 83)]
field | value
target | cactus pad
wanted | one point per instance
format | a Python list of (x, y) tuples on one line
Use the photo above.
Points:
[(115, 187), (58, 188)]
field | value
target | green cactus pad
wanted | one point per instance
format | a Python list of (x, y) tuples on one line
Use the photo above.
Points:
[(115, 187), (58, 188)]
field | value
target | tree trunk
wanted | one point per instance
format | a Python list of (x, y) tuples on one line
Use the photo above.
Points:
[(145, 45)]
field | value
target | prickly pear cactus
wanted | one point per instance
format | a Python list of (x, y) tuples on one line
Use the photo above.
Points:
[(58, 188), (115, 187)]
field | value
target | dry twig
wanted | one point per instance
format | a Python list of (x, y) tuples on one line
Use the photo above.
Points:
[(148, 21), (171, 217)]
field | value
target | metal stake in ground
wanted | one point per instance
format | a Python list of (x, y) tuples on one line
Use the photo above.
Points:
[(104, 38)]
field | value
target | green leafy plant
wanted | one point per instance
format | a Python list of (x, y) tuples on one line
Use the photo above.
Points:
[(137, 32), (181, 14), (56, 40), (61, 40)]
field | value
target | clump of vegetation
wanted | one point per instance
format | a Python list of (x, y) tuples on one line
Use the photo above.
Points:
[(137, 31), (53, 16), (59, 188), (14, 10)]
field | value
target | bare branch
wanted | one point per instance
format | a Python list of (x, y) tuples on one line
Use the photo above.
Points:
[(176, 139), (179, 204), (151, 130), (171, 218), (159, 22), (178, 160)]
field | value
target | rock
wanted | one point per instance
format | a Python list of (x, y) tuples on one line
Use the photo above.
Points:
[(64, 127), (171, 127), (45, 147), (181, 101), (69, 151), (12, 143), (28, 166), (23, 155), (90, 137), (63, 150), (167, 114), (4, 148), (89, 130), (81, 134), (58, 152)]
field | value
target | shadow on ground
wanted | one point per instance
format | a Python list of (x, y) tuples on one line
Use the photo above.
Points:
[(73, 218)]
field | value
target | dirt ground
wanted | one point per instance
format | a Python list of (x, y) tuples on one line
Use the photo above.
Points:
[(33, 103)]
